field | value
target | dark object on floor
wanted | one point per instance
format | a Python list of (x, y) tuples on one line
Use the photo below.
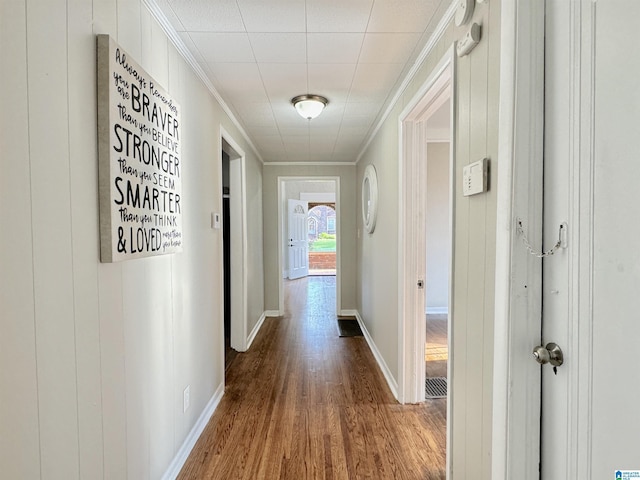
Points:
[(349, 328), (435, 387)]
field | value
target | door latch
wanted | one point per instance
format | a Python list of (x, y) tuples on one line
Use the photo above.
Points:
[(420, 283)]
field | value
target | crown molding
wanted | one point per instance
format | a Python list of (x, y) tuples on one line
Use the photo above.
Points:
[(310, 164), (428, 48), (182, 49)]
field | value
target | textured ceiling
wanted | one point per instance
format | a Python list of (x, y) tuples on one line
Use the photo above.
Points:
[(258, 54)]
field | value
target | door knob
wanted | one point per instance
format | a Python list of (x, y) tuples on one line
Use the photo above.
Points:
[(551, 353)]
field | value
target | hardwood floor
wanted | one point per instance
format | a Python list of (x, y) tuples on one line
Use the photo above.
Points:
[(303, 403), (437, 348)]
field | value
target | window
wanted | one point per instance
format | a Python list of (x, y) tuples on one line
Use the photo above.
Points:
[(313, 226), (331, 224)]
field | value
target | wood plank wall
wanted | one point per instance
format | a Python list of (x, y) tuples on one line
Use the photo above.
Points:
[(94, 357)]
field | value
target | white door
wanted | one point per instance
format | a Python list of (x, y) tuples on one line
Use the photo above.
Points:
[(591, 290), (297, 239)]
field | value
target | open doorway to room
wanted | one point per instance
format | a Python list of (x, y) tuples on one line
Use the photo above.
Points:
[(229, 353), (322, 236), (438, 252), (319, 197), (234, 247), (427, 204)]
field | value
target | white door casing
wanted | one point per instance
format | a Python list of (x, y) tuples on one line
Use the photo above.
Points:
[(238, 231), (412, 228), (517, 327), (298, 239)]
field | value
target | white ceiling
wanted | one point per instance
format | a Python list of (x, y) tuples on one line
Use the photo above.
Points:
[(258, 54)]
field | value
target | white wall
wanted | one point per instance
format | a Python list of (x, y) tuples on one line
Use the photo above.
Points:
[(476, 136), (438, 237), (94, 357)]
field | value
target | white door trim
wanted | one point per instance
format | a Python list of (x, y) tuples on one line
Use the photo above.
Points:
[(281, 237), (516, 376), (439, 86), (517, 328), (411, 230), (238, 232)]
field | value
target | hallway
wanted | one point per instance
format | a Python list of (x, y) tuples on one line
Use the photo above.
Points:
[(303, 403)]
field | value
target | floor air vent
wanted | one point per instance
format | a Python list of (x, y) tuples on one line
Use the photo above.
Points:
[(435, 387)]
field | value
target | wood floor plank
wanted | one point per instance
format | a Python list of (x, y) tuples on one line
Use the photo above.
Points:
[(303, 403), (436, 348)]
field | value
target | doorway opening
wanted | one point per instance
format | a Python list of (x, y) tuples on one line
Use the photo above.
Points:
[(234, 246), (229, 353), (438, 252), (308, 193), (425, 261), (322, 237), (437, 121)]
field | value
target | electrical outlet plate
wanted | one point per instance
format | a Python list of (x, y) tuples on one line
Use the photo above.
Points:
[(474, 177)]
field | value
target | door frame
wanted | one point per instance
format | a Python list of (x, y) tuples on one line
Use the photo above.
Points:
[(238, 232), (518, 282), (412, 175), (412, 225), (281, 237), (518, 301)]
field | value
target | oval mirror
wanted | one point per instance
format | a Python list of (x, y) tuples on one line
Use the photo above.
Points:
[(369, 198)]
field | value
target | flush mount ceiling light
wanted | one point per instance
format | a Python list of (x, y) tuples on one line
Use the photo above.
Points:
[(309, 106)]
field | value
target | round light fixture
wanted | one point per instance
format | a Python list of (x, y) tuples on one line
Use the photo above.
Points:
[(309, 106)]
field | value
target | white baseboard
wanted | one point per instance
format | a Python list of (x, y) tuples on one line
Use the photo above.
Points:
[(183, 453), (272, 313), (348, 313), (255, 330), (393, 384), (437, 310)]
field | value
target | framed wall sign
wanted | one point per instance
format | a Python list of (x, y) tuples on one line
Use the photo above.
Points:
[(140, 166)]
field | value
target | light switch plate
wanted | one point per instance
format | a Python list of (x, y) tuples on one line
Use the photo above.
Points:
[(215, 220), (474, 177)]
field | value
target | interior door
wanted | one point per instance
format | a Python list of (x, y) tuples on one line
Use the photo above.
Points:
[(591, 289), (297, 239)]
